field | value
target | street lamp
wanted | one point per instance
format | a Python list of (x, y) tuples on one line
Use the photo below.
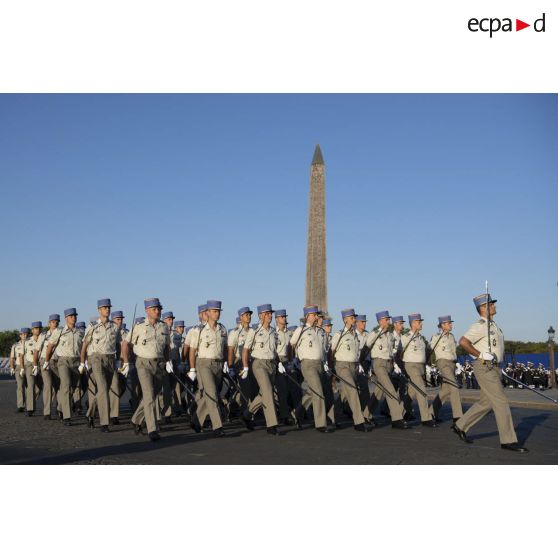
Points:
[(551, 333)]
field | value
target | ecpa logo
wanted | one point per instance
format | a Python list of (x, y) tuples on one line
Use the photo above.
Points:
[(492, 25)]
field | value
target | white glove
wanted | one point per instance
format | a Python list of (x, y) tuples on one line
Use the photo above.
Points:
[(360, 369), (168, 366), (81, 367), (244, 373), (396, 368), (326, 368), (22, 372), (12, 371), (125, 369), (225, 368), (281, 368), (487, 357), (46, 366), (87, 365), (192, 374), (35, 370)]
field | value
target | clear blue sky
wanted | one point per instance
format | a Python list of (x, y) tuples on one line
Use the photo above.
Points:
[(189, 197)]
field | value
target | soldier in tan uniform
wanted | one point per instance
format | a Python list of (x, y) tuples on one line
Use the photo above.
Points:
[(327, 377), (150, 342), (167, 400), (15, 370), (208, 351), (27, 368), (65, 345), (103, 337), (445, 350), (380, 342), (364, 368), (414, 346), (308, 347), (235, 345), (344, 356), (118, 385), (50, 380), (488, 355), (285, 389), (261, 348)]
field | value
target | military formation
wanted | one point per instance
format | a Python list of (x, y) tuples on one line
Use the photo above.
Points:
[(288, 375)]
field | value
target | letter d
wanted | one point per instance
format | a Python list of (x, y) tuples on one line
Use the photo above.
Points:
[(536, 24)]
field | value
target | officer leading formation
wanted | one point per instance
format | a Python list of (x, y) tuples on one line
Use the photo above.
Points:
[(215, 376)]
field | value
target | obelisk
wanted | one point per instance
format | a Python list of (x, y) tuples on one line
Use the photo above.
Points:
[(316, 271)]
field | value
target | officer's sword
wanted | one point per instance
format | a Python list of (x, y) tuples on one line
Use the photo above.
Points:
[(529, 387), (386, 392), (309, 387), (230, 379), (186, 388), (415, 386)]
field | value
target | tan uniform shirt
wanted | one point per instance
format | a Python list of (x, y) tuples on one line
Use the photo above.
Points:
[(414, 347), (446, 347), (236, 340), (150, 341), (380, 343), (209, 342), (283, 340), (69, 342), (345, 345), (189, 334), (28, 348), (477, 334), (262, 343), (44, 340), (102, 338), (308, 343)]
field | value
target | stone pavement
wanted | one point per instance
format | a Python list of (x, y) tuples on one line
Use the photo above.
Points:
[(31, 440)]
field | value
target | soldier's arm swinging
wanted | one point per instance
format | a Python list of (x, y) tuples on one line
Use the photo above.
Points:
[(230, 356), (245, 355), (468, 347)]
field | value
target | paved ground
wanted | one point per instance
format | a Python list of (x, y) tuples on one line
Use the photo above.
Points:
[(25, 440)]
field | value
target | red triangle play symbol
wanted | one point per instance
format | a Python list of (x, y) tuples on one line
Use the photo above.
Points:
[(519, 25)]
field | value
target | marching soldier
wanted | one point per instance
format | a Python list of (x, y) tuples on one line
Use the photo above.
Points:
[(344, 356), (380, 343), (15, 371), (103, 336), (65, 345), (27, 368), (285, 389), (327, 381), (135, 388), (177, 340), (484, 341), (50, 380), (261, 348), (208, 351), (166, 400), (364, 368), (308, 347), (81, 388), (235, 346), (150, 342), (444, 347), (414, 347), (118, 384)]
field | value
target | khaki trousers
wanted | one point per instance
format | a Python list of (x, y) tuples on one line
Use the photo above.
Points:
[(492, 398), (69, 378), (150, 376), (103, 374), (415, 370), (20, 388), (209, 373), (91, 396), (448, 390), (135, 387), (348, 371), (312, 374), (50, 383), (382, 368), (264, 372), (114, 394), (32, 390)]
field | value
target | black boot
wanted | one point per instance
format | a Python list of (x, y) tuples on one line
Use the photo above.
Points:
[(429, 423), (105, 428), (362, 427), (154, 436), (461, 434), (514, 447), (273, 431), (114, 421), (400, 425), (219, 433), (67, 422)]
